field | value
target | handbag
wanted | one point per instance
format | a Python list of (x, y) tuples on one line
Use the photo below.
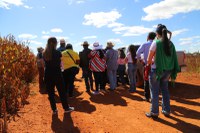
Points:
[(76, 68)]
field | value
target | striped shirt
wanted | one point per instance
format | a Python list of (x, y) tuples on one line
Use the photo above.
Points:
[(96, 63)]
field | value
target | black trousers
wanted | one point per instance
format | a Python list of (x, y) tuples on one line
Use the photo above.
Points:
[(146, 89), (99, 82), (56, 80), (69, 76), (87, 74)]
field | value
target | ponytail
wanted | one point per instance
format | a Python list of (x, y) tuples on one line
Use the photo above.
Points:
[(166, 42), (162, 31)]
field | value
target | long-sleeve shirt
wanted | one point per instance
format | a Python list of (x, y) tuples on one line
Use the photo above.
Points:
[(97, 64), (111, 59), (144, 49)]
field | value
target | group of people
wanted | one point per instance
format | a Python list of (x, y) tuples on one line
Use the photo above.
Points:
[(159, 61)]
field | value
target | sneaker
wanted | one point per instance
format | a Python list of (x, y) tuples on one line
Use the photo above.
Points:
[(151, 115), (167, 114), (95, 92), (70, 109), (55, 112), (146, 99)]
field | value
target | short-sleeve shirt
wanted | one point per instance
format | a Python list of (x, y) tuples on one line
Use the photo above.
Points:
[(67, 61), (153, 49)]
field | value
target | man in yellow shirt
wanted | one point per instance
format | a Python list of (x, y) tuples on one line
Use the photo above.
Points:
[(70, 61)]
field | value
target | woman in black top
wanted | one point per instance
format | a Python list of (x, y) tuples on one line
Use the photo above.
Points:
[(53, 75)]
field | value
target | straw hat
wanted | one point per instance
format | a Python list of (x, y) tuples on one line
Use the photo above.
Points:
[(110, 44)]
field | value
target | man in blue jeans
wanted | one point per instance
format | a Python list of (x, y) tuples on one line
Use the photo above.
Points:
[(144, 49), (112, 65)]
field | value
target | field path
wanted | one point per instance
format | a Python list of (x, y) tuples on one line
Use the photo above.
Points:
[(112, 112)]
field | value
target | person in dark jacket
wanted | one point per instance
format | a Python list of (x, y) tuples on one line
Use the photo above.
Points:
[(62, 45), (53, 76), (84, 64)]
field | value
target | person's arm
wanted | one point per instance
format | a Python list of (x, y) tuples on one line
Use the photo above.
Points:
[(140, 51), (170, 34), (152, 51), (150, 57)]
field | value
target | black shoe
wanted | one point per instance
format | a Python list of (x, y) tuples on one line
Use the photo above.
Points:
[(88, 91), (150, 115)]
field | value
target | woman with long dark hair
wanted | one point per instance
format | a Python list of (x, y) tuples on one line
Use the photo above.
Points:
[(121, 66), (53, 76), (164, 65), (132, 67)]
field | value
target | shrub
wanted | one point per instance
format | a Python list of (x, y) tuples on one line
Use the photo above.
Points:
[(17, 70)]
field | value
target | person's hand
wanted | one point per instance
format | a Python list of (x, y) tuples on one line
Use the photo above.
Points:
[(146, 72)]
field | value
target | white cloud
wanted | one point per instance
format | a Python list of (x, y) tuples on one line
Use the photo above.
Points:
[(27, 36), (62, 37), (108, 19), (89, 37), (115, 24), (35, 42), (43, 7), (57, 30), (28, 7), (115, 40), (177, 32), (7, 3), (80, 1), (57, 37), (194, 40), (45, 32), (70, 2), (168, 8), (45, 37), (132, 30), (100, 19)]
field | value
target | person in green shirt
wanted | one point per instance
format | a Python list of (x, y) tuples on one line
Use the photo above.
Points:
[(164, 65)]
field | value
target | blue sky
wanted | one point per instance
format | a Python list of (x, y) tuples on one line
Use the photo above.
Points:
[(122, 21)]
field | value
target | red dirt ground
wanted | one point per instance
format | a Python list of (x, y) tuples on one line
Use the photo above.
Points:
[(112, 112)]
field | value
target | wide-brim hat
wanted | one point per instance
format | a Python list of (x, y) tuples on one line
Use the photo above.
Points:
[(97, 46), (110, 44), (85, 43)]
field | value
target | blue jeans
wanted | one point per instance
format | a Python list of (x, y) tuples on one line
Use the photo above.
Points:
[(112, 76), (155, 86), (132, 69)]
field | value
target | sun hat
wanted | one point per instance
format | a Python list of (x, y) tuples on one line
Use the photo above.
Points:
[(62, 41), (85, 43), (96, 46), (110, 44)]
